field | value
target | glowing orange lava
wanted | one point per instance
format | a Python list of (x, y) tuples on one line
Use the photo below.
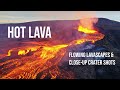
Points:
[(86, 30), (27, 62)]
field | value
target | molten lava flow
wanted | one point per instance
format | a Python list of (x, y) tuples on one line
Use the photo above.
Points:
[(50, 52), (22, 52), (91, 35), (86, 30), (87, 27), (40, 60), (29, 66), (9, 53)]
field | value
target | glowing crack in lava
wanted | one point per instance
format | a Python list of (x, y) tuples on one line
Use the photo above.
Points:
[(86, 30), (41, 61)]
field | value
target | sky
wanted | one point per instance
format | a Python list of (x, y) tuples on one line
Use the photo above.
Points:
[(27, 16)]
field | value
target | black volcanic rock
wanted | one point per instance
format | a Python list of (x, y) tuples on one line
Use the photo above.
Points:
[(64, 31), (105, 25), (111, 43)]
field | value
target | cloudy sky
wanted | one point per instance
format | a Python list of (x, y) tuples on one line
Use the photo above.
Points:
[(26, 16)]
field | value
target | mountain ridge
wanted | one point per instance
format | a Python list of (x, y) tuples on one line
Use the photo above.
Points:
[(105, 19)]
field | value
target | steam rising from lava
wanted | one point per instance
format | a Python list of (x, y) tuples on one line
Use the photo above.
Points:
[(88, 22)]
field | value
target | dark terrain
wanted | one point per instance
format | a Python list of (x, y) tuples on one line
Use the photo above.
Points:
[(64, 31)]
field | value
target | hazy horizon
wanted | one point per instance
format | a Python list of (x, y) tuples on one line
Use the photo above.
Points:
[(28, 16)]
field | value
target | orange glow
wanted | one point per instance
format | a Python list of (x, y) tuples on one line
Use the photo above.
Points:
[(24, 52), (33, 48), (39, 59), (80, 41), (9, 53), (86, 30), (87, 26), (21, 52), (43, 58), (50, 52), (88, 23)]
